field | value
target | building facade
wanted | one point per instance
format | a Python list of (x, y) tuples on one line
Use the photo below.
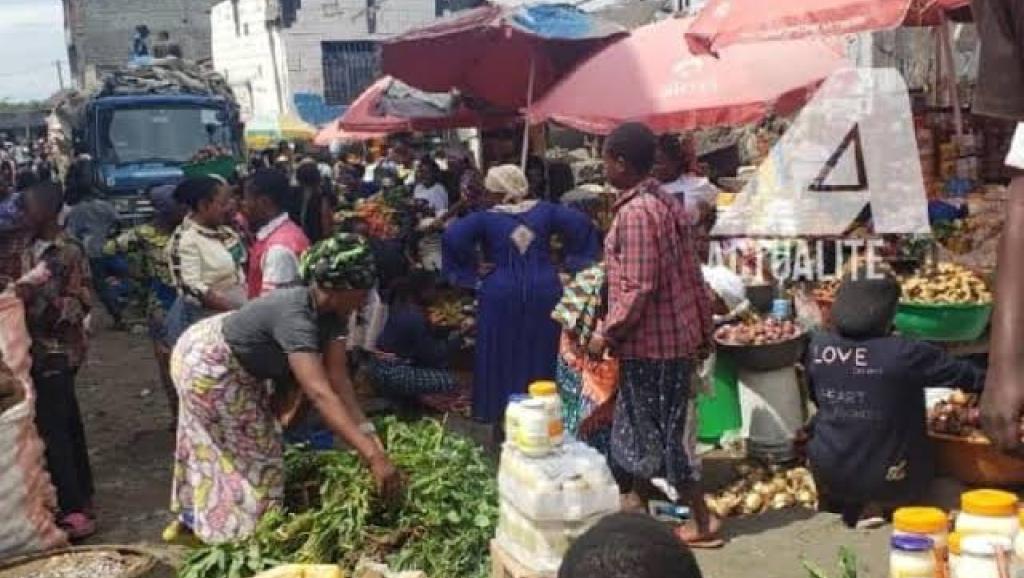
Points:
[(99, 33), (307, 56)]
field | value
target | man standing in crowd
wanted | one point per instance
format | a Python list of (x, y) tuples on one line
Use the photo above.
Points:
[(279, 242), (659, 325), (1000, 93), (56, 305)]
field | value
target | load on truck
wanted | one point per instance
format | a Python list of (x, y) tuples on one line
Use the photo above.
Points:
[(144, 125)]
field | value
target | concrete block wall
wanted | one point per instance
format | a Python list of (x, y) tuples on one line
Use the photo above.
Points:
[(99, 32), (244, 51)]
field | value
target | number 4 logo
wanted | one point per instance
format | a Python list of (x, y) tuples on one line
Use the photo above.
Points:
[(852, 146)]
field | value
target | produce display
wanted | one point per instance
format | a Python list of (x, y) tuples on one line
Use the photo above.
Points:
[(452, 311), (947, 283), (761, 331), (826, 290), (759, 489), (442, 526), (388, 214), (88, 565)]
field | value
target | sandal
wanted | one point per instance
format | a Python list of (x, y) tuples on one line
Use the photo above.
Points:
[(77, 526), (687, 534)]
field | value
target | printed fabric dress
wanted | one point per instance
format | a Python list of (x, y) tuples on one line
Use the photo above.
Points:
[(228, 466), (517, 340)]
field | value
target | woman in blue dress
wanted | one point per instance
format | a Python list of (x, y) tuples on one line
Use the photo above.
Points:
[(517, 340)]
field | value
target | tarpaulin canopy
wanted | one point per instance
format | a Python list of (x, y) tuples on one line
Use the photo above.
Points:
[(262, 132), (725, 22), (652, 77), (491, 52), (389, 106)]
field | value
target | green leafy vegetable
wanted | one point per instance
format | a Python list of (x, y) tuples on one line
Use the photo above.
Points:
[(331, 515)]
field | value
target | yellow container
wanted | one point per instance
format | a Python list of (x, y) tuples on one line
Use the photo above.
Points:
[(547, 392), (929, 523)]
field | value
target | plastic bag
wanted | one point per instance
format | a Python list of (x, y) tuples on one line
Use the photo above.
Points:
[(27, 498)]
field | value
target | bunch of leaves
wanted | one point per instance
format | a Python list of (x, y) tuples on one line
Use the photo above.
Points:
[(331, 514), (847, 565)]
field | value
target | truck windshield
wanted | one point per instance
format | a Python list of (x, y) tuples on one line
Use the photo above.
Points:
[(168, 134)]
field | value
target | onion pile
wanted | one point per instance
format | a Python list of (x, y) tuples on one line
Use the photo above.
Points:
[(758, 332), (760, 489)]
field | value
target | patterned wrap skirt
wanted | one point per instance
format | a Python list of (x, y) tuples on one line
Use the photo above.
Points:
[(228, 464), (649, 429)]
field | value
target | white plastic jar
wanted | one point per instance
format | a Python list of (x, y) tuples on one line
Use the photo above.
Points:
[(953, 542), (912, 557), (1018, 549), (978, 557), (512, 416), (547, 392), (930, 523), (532, 436), (988, 513)]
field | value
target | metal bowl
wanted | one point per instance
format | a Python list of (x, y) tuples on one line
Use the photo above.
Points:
[(767, 357)]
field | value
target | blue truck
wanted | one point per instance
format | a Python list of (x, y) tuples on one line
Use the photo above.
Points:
[(140, 134)]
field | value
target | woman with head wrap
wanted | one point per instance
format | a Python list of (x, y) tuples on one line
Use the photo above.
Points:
[(517, 340), (228, 463), (463, 181), (145, 248)]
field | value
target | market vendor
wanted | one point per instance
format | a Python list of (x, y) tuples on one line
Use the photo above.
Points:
[(517, 341), (869, 449), (228, 463), (411, 358)]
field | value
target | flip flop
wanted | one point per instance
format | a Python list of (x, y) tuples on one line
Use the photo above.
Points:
[(700, 543), (77, 526)]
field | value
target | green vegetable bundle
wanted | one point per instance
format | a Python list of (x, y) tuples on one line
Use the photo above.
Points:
[(331, 514)]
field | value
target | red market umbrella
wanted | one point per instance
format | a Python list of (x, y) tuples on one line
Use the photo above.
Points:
[(503, 56), (724, 22), (652, 77), (332, 132)]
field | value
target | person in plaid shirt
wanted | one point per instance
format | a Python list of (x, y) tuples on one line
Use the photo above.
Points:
[(659, 325)]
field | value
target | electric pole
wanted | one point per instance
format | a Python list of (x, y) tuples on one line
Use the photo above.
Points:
[(60, 73)]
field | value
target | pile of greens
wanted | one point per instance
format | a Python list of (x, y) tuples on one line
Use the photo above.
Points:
[(331, 514)]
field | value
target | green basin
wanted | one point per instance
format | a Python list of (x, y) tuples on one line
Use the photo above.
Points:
[(943, 322)]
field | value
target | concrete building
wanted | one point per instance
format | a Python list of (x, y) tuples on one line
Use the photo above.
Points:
[(308, 56), (99, 32)]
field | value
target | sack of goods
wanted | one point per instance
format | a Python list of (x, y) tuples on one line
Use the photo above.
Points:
[(27, 498), (549, 501)]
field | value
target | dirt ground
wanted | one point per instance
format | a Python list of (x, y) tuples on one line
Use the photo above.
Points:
[(131, 444)]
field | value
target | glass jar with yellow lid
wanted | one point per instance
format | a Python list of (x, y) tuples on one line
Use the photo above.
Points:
[(989, 513)]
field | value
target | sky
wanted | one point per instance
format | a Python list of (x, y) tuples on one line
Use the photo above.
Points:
[(31, 39)]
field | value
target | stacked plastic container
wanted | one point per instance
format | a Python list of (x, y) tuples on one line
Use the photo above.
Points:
[(548, 500)]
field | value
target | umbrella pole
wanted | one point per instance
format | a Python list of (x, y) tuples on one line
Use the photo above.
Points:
[(526, 117), (951, 75)]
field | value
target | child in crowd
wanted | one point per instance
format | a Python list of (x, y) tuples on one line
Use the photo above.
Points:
[(868, 448), (629, 546)]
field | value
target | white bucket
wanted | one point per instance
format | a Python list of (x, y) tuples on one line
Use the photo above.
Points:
[(772, 410)]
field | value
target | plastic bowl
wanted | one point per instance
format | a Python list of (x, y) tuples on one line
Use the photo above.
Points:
[(766, 357), (943, 322), (976, 462)]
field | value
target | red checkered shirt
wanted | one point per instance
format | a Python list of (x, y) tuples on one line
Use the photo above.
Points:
[(658, 304)]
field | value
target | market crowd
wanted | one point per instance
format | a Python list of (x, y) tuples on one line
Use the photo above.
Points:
[(265, 294)]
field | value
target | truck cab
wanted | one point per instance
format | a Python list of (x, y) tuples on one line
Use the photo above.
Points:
[(141, 141)]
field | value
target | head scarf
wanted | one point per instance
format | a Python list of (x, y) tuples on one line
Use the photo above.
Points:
[(509, 181), (341, 262)]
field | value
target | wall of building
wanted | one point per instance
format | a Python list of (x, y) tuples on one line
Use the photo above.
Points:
[(244, 48), (99, 32)]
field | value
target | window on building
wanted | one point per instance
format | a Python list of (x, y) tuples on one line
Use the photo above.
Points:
[(349, 67)]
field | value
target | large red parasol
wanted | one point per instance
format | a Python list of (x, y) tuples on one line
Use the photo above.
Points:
[(499, 55), (725, 22), (652, 77), (364, 119)]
